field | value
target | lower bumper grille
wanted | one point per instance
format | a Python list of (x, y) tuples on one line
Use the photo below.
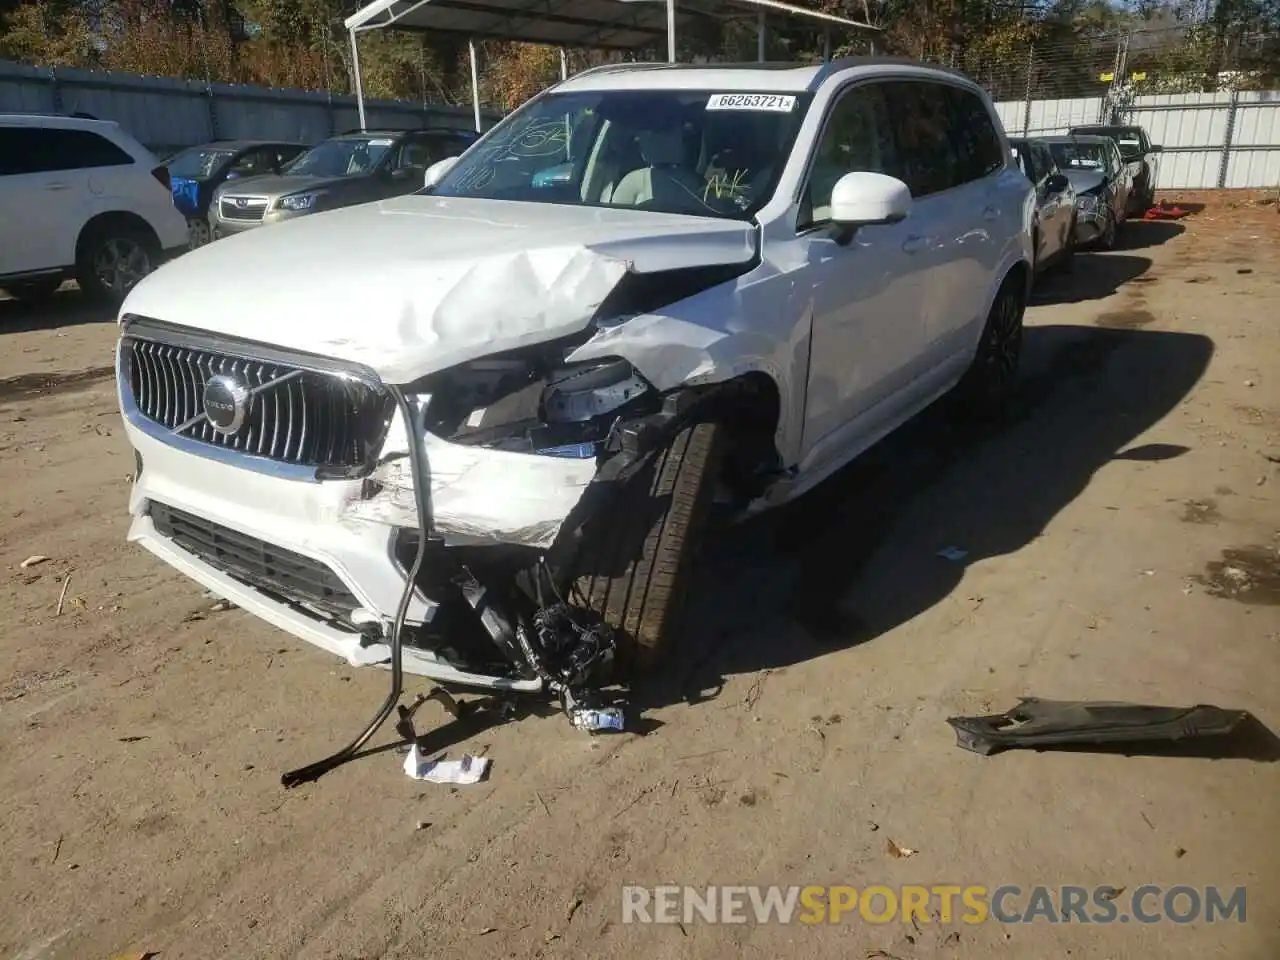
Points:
[(272, 569)]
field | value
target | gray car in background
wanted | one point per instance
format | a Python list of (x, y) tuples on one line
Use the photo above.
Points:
[(342, 171), (1102, 183)]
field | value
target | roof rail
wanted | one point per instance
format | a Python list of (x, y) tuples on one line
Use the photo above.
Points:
[(846, 63)]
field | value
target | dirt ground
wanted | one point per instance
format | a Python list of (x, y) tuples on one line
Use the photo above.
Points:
[(1121, 529)]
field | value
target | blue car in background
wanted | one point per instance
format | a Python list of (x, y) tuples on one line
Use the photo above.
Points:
[(195, 173)]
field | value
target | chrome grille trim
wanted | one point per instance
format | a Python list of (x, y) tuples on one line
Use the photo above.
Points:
[(308, 418), (254, 210)]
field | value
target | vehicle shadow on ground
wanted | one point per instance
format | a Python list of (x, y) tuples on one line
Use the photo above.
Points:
[(66, 308), (1094, 276), (1139, 234), (859, 555)]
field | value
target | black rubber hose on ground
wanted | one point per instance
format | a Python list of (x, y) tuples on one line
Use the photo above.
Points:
[(318, 769)]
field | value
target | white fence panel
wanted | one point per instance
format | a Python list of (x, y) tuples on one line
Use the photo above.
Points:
[(1210, 139)]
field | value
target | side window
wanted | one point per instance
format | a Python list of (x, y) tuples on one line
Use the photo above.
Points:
[(20, 150), (77, 149), (857, 138), (252, 163), (45, 150), (921, 119), (418, 151), (974, 134)]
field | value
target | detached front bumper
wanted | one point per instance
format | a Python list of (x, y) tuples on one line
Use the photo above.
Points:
[(1091, 220)]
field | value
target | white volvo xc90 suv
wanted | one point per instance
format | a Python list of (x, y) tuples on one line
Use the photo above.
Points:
[(443, 421)]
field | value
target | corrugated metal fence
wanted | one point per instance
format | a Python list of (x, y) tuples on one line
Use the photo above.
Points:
[(167, 114), (1227, 139)]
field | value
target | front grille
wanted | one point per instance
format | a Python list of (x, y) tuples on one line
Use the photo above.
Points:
[(252, 212), (274, 570), (294, 416)]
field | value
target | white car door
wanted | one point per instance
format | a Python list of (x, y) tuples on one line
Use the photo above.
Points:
[(865, 296), (956, 170), (40, 204)]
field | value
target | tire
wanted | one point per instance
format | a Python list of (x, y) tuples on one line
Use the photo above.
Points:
[(199, 232), (1068, 262), (34, 291), (112, 259), (1107, 239), (636, 560), (992, 375)]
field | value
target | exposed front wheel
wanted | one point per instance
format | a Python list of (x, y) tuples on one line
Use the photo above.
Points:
[(637, 558)]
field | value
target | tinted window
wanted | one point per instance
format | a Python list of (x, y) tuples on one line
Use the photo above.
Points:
[(1028, 160), (422, 150), (1044, 160), (920, 114), (253, 163), (976, 140), (36, 150), (857, 138)]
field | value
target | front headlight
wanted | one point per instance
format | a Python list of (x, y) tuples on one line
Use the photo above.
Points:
[(298, 202)]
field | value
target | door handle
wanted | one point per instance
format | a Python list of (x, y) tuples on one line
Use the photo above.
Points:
[(57, 186), (990, 213), (914, 244)]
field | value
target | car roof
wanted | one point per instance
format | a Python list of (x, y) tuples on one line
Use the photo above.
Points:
[(772, 77), (57, 120), (1074, 138), (243, 144)]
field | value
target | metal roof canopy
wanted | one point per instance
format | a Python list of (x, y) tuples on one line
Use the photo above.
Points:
[(603, 24)]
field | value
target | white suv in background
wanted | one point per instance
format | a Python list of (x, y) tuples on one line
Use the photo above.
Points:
[(443, 419), (81, 199)]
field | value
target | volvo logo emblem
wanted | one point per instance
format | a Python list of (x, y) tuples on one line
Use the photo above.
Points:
[(226, 403)]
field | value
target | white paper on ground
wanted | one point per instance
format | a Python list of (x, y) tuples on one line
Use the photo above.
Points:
[(465, 771)]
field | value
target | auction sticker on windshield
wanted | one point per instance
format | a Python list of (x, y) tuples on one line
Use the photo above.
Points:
[(778, 103), (381, 143)]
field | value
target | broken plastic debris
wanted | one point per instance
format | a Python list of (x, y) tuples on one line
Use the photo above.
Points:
[(467, 770), (952, 553), (32, 561), (1039, 723), (596, 720)]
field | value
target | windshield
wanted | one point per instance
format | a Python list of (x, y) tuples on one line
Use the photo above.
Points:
[(675, 151), (198, 163), (1080, 156), (341, 157)]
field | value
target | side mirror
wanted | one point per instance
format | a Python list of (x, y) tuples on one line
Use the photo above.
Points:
[(1057, 183), (866, 199), (436, 172)]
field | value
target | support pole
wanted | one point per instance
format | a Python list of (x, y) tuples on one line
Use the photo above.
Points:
[(826, 44), (564, 65), (671, 31), (475, 83), (760, 36), (355, 70)]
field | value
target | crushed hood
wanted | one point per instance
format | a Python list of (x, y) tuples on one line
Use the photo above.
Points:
[(1082, 181), (418, 284)]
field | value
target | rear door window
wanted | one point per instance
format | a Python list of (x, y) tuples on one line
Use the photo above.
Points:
[(977, 141)]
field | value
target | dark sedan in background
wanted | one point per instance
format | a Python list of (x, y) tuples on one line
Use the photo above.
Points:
[(357, 167), (1102, 183), (1053, 229), (1138, 152), (196, 173)]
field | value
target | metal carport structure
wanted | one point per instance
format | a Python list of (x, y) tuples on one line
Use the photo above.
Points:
[(619, 25)]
